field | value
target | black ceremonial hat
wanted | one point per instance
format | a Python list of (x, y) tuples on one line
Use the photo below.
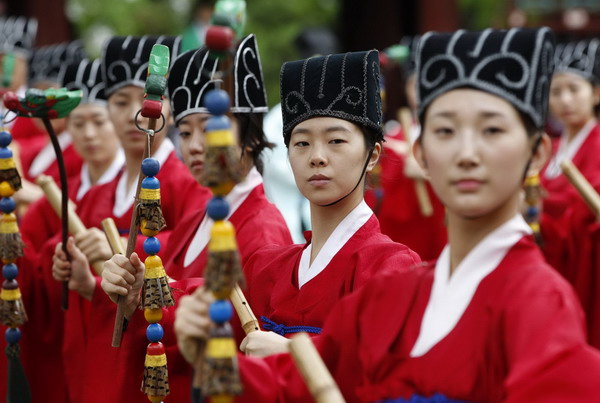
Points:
[(192, 73), (344, 86), (515, 65), (84, 76), (46, 62), (581, 58), (17, 35), (125, 59)]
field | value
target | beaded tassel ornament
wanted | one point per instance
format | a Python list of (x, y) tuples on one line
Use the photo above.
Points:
[(156, 292), (12, 310), (220, 371), (533, 196)]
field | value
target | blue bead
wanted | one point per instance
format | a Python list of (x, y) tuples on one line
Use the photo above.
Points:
[(5, 139), (154, 332), (8, 205), (217, 102), (5, 153), (12, 335), (532, 211), (217, 209), (150, 167), (151, 246), (220, 122), (10, 271), (220, 311), (151, 182)]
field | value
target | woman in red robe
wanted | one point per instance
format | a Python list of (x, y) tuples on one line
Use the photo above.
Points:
[(566, 223), (490, 321)]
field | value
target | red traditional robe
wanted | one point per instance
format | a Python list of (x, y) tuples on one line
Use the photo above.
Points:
[(521, 338), (399, 212), (72, 160), (569, 227), (560, 195), (272, 277), (257, 223)]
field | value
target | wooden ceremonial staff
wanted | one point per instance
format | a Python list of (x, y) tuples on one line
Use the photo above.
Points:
[(160, 64), (585, 189), (317, 377), (421, 189), (54, 197)]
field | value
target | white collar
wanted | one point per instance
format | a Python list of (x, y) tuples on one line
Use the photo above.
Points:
[(124, 197), (567, 149), (336, 241), (235, 198), (450, 297), (108, 175), (46, 156)]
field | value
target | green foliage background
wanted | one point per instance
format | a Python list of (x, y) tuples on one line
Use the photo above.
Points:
[(276, 24)]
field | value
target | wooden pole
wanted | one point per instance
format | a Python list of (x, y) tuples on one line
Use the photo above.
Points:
[(316, 375), (54, 197), (112, 236), (243, 310), (420, 187), (585, 189)]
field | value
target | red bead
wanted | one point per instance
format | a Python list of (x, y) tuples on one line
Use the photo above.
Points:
[(11, 101), (219, 39), (155, 349), (151, 109)]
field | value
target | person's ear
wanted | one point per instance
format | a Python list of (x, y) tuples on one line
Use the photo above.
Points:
[(374, 157), (540, 155)]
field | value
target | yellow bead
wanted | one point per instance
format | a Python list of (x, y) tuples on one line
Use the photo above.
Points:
[(222, 399), (222, 189), (6, 190), (152, 262), (156, 399), (7, 261), (153, 315), (146, 231), (222, 237)]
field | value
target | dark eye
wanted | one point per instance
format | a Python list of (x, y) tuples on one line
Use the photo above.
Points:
[(444, 131), (184, 134), (301, 144), (337, 141), (493, 130)]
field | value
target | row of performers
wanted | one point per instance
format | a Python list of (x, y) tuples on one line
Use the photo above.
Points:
[(490, 320)]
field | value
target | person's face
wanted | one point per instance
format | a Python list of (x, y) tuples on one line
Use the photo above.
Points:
[(192, 132), (475, 149), (123, 105), (327, 156), (572, 99), (93, 134)]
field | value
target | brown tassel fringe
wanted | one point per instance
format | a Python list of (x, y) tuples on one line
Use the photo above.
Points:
[(152, 213), (221, 165), (12, 313), (156, 293), (221, 377), (11, 246), (156, 381), (223, 272), (11, 176)]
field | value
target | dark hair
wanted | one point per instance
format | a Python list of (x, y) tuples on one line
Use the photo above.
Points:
[(252, 135)]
